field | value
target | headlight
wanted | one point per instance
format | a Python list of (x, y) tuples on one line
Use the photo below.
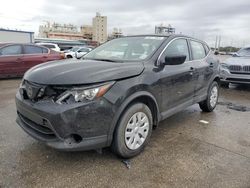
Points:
[(83, 94), (22, 83), (224, 65)]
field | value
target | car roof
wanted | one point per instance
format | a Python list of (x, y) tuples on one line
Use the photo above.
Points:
[(32, 44), (5, 44), (44, 43), (168, 36), (162, 35), (78, 46), (149, 35)]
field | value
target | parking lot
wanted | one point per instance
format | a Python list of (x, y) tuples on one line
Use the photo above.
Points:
[(183, 152)]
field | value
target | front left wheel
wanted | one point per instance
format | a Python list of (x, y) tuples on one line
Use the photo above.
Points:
[(133, 131)]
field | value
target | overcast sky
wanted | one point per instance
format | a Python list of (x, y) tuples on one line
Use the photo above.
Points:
[(203, 19)]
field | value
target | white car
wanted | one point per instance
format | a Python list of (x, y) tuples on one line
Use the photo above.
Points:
[(237, 68), (77, 52), (51, 46)]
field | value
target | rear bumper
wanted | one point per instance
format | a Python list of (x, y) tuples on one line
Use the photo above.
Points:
[(228, 77), (66, 127)]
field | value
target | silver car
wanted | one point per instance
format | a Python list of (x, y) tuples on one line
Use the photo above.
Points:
[(237, 68)]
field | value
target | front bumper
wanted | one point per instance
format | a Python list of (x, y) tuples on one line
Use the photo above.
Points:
[(227, 76), (70, 127)]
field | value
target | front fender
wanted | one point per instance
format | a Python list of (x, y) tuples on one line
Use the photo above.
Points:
[(123, 107)]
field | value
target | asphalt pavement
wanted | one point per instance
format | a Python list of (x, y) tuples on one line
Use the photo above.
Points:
[(189, 149)]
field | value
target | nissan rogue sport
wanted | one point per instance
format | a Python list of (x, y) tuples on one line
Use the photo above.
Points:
[(117, 93)]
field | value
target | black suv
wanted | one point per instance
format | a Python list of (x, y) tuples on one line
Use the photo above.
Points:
[(117, 93)]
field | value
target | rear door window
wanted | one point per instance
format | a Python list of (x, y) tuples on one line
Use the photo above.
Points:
[(198, 50), (30, 49), (11, 50)]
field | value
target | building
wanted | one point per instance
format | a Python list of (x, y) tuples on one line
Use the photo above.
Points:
[(87, 31), (61, 31), (117, 33), (97, 32), (100, 28), (162, 30), (67, 36), (15, 36)]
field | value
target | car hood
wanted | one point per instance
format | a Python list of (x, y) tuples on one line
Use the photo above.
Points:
[(238, 61), (70, 72)]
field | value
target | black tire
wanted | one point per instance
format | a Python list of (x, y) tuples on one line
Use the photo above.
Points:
[(69, 56), (119, 145), (206, 104)]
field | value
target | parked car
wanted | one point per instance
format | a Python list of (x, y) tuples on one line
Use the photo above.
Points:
[(51, 46), (237, 68), (109, 99), (16, 59), (77, 52)]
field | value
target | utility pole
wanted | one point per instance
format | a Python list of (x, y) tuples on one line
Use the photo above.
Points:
[(219, 43), (231, 48), (216, 40)]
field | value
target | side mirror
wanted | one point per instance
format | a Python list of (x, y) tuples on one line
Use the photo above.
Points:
[(175, 60)]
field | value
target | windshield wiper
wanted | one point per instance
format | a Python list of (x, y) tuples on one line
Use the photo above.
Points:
[(108, 60)]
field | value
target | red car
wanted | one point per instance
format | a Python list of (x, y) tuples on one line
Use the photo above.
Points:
[(16, 59)]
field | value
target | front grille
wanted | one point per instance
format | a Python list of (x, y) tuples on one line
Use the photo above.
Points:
[(235, 68), (41, 131), (36, 92), (246, 69), (238, 69)]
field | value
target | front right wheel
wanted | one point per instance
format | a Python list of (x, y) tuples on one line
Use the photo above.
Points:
[(133, 131), (210, 103)]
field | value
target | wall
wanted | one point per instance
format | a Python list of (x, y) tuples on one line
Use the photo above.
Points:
[(16, 36)]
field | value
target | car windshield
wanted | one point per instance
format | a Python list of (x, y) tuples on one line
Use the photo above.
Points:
[(127, 49), (74, 49), (244, 52)]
